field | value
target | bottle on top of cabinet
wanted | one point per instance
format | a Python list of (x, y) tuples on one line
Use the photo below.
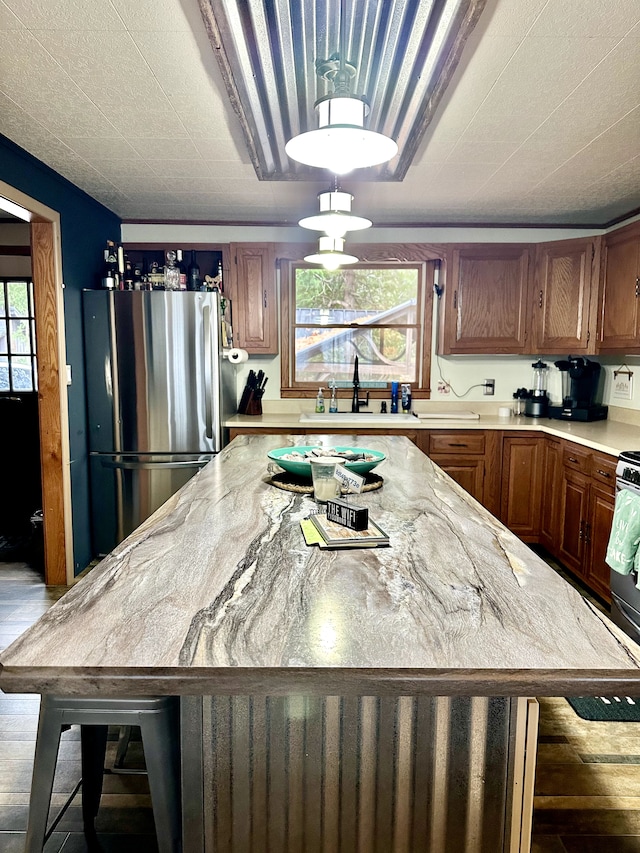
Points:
[(182, 270), (193, 273), (171, 272)]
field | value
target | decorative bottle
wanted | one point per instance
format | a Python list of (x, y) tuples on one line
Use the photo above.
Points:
[(193, 273), (182, 270), (171, 272)]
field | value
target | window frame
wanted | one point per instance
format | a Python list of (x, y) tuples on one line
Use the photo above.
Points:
[(420, 389), (29, 318)]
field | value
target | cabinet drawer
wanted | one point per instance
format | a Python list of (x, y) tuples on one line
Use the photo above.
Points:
[(603, 470), (577, 459), (458, 441)]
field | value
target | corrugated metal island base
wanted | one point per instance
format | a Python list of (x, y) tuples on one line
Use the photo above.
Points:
[(308, 678)]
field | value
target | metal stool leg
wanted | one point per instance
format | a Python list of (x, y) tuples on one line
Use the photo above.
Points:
[(123, 745), (94, 747), (160, 739), (44, 768)]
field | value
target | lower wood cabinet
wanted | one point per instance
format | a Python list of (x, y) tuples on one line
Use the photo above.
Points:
[(586, 514), (551, 492), (522, 484)]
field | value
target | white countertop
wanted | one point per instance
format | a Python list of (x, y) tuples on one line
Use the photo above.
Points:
[(607, 436)]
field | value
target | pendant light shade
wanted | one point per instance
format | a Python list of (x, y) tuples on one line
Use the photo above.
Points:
[(335, 217), (341, 143), (330, 254)]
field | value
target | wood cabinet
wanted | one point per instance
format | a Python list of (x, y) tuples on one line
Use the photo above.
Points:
[(460, 453), (255, 314), (620, 300), (522, 484), (564, 304), (551, 492), (586, 513), (486, 299)]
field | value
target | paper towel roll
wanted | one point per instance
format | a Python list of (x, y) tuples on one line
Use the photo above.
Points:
[(237, 356)]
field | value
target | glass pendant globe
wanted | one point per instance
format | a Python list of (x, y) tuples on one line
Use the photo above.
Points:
[(341, 143), (330, 254)]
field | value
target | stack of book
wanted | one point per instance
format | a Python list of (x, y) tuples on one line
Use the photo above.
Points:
[(318, 530)]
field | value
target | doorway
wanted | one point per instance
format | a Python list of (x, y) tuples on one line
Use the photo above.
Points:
[(46, 273)]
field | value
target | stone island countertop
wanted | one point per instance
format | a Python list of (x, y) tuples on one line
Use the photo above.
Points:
[(218, 593)]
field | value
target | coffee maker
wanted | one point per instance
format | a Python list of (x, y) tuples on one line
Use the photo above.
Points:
[(582, 382)]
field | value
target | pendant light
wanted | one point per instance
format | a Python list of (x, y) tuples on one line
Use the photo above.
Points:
[(335, 217), (330, 254), (341, 143)]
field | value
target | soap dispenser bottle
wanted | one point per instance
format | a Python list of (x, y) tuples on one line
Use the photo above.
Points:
[(320, 402), (333, 402)]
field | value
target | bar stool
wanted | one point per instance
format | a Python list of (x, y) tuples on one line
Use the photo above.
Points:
[(159, 727)]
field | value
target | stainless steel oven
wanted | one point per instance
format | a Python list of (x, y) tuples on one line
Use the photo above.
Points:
[(625, 595)]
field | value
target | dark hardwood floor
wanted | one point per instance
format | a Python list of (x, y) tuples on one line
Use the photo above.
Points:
[(587, 793)]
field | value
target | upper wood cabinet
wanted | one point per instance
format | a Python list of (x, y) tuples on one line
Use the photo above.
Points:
[(620, 300), (564, 305), (486, 299), (254, 309)]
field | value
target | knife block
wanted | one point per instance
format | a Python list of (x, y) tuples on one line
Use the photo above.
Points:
[(250, 402)]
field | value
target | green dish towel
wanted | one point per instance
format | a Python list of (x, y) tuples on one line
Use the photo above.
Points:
[(622, 550)]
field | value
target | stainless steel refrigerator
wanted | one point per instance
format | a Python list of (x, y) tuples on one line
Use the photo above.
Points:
[(158, 390)]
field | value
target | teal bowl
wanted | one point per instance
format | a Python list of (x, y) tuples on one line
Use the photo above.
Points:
[(303, 469)]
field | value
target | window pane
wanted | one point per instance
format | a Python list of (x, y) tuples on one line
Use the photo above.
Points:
[(360, 295), (4, 344), (21, 379), (3, 312), (4, 374), (18, 298), (384, 355), (33, 336), (19, 336), (34, 368)]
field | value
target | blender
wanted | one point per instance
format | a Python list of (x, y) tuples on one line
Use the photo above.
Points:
[(537, 405)]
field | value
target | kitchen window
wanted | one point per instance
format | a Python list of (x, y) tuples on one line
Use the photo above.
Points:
[(17, 336), (373, 311)]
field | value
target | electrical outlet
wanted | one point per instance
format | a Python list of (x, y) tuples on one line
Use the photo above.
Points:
[(489, 387), (443, 387)]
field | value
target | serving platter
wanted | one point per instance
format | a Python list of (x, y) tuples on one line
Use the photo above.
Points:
[(302, 468)]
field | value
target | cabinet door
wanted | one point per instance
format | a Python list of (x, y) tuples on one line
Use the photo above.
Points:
[(620, 320), (521, 485), (486, 299), (551, 495), (597, 531), (254, 310), (468, 472), (564, 309), (573, 517)]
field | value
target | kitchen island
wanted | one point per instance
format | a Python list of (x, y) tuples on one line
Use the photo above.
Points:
[(359, 699)]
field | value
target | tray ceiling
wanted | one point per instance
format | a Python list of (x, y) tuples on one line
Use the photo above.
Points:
[(402, 54), (539, 123)]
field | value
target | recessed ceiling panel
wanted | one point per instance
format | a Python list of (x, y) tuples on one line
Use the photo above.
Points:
[(404, 53)]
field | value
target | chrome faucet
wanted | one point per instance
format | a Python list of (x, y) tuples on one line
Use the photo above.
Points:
[(356, 401)]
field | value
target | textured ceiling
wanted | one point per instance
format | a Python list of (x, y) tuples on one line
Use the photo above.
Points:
[(540, 123)]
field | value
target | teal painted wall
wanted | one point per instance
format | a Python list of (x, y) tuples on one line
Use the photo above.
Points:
[(85, 225)]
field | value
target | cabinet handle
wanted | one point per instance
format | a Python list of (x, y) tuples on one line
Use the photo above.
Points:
[(573, 459), (637, 287), (581, 531), (603, 473), (453, 444), (587, 533), (455, 296), (264, 297), (540, 300)]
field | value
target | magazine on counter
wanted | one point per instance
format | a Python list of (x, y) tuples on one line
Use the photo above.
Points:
[(337, 536)]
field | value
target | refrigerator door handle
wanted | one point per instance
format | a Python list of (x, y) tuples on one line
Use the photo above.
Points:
[(208, 371), (131, 464)]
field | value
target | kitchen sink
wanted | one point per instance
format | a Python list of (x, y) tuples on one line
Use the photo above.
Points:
[(366, 418)]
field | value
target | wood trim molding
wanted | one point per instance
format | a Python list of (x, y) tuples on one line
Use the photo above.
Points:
[(52, 404)]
